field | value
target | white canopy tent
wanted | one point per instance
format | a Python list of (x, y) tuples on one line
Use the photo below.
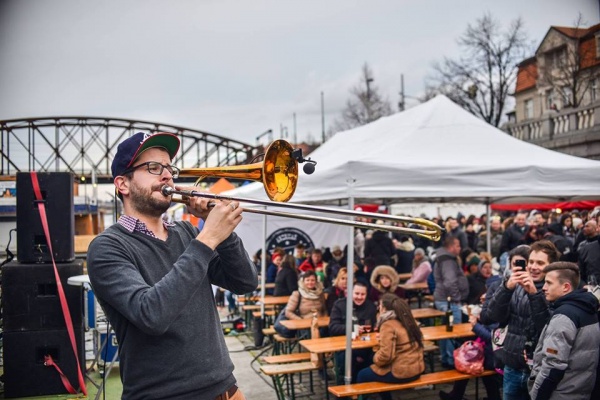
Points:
[(436, 152)]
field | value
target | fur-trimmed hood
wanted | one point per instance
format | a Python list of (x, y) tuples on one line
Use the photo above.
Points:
[(388, 271)]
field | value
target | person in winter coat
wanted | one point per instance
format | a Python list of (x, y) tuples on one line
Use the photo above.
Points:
[(405, 253), (495, 235), (307, 298), (364, 313), (379, 250), (337, 290), (399, 358), (421, 267), (384, 279), (477, 281), (589, 253), (514, 235), (450, 283), (566, 356), (287, 277), (315, 263), (520, 303), (273, 267)]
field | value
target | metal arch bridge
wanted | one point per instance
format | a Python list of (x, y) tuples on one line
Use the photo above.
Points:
[(86, 146)]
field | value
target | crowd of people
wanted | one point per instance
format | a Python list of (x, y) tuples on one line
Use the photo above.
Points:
[(509, 280), (154, 279)]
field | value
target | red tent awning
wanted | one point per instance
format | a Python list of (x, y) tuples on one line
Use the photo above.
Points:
[(563, 205)]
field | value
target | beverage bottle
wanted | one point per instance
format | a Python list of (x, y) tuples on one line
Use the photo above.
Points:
[(355, 329), (449, 316)]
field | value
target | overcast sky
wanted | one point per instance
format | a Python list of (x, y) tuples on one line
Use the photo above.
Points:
[(235, 68)]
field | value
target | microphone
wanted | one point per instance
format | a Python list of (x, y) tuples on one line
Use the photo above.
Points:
[(309, 167)]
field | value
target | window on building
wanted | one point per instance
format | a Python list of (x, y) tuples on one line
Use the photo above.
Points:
[(550, 100), (557, 58), (528, 108), (598, 46), (567, 96), (594, 90)]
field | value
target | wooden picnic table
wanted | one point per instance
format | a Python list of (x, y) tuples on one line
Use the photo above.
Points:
[(404, 276), (439, 332), (267, 286), (338, 343), (414, 286), (418, 287), (275, 300), (365, 341), (422, 313), (296, 324)]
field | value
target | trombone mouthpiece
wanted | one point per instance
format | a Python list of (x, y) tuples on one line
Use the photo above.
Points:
[(167, 190)]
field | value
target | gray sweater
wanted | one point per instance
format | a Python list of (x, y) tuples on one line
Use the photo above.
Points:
[(158, 297)]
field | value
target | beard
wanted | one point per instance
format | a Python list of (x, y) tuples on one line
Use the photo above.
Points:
[(143, 202)]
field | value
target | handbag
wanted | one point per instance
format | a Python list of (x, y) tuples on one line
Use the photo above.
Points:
[(282, 330), (498, 337), (469, 357)]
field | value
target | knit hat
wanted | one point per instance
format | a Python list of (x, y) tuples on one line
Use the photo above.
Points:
[(481, 264), (473, 260)]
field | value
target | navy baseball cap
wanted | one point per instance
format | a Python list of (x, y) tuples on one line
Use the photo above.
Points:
[(130, 149)]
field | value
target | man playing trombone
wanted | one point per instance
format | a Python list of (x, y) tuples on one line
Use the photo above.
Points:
[(153, 279)]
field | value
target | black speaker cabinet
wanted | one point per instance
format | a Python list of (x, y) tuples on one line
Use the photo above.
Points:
[(24, 353), (30, 296), (57, 193)]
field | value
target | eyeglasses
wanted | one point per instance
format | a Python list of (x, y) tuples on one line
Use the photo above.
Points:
[(156, 168)]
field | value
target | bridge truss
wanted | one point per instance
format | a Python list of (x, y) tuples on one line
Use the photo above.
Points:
[(86, 146)]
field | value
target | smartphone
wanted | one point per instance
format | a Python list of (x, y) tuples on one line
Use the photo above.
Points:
[(521, 264)]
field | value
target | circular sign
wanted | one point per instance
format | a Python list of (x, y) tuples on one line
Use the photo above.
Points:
[(288, 238)]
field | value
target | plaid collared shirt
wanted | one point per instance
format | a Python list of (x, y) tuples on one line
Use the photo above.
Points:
[(135, 225)]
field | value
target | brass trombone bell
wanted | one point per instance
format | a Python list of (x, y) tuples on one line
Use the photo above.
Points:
[(278, 172)]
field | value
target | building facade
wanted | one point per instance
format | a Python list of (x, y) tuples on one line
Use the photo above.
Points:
[(557, 94)]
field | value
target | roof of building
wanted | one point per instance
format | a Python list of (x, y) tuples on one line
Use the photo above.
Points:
[(528, 71), (575, 32), (527, 75)]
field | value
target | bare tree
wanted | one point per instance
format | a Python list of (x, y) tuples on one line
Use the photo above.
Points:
[(366, 104), (564, 69), (481, 79)]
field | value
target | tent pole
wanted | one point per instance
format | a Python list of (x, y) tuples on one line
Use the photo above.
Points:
[(487, 226), (349, 302), (263, 268)]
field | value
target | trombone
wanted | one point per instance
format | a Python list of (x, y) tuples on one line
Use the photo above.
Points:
[(279, 174)]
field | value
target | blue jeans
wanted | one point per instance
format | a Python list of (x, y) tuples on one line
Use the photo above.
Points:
[(515, 384), (231, 303), (368, 375), (447, 345)]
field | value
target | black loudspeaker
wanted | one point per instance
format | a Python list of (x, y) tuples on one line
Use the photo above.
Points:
[(30, 296), (24, 353), (57, 193)]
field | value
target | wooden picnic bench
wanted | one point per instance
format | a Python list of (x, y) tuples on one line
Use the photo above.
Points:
[(286, 358), (354, 390)]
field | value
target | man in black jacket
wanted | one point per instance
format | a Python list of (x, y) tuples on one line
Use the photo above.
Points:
[(364, 313), (514, 234), (520, 303)]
